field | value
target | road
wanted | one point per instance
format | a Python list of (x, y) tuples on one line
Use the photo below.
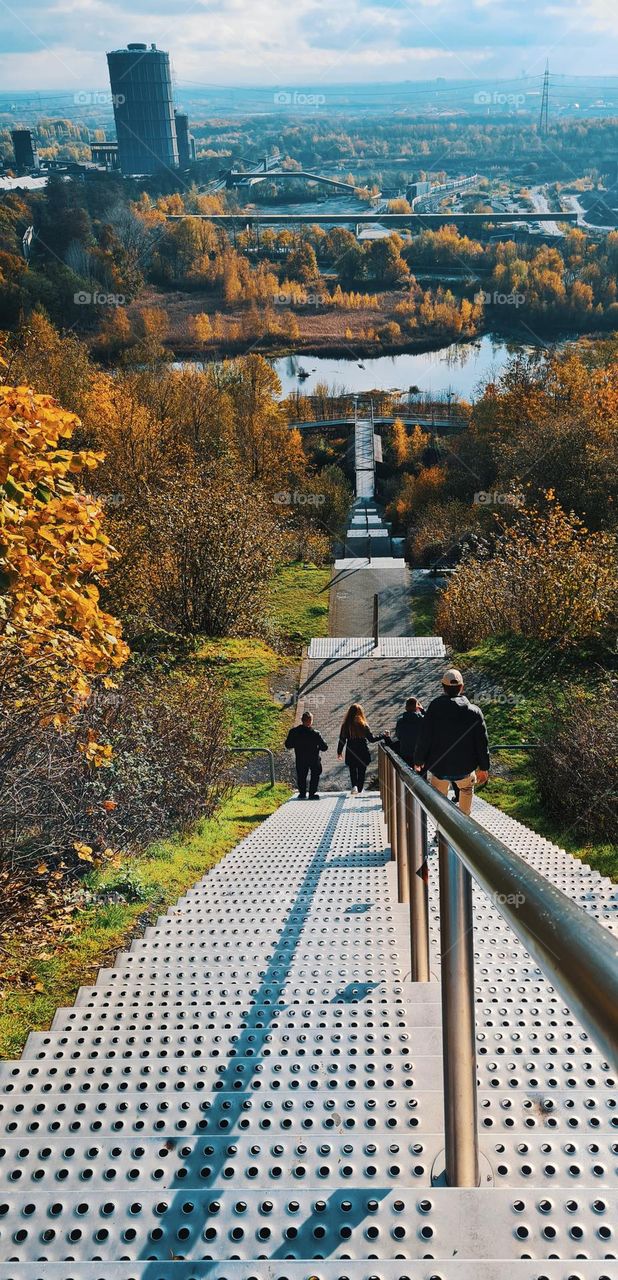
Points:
[(541, 205)]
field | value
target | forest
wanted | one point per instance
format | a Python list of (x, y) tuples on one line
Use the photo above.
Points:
[(116, 270)]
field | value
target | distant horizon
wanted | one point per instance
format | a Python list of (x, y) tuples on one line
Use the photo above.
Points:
[(560, 80), (229, 44)]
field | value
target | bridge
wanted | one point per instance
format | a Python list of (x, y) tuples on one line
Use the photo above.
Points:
[(240, 178), (430, 422), (378, 1040), (251, 218)]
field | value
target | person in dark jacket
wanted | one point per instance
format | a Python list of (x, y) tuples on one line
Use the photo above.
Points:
[(407, 730), (306, 743), (354, 737), (452, 742)]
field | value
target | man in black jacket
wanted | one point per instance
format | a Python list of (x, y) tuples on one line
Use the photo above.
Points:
[(452, 742), (407, 730), (306, 743)]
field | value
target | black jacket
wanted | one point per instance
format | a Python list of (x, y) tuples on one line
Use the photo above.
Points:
[(407, 731), (357, 749), (306, 743), (453, 737)]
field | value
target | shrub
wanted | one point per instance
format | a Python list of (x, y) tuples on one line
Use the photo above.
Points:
[(546, 577), (576, 764), (201, 555), (438, 534), (164, 736)]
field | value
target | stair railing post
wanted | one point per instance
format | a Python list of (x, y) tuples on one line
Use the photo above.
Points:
[(458, 1032), (403, 871), (390, 797), (416, 823)]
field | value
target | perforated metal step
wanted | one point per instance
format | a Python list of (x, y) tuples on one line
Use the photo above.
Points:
[(451, 1269), (329, 648), (584, 1115), (295, 1223), (125, 1163)]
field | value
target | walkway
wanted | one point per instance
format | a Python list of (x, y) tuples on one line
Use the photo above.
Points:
[(253, 1091), (364, 458), (354, 585)]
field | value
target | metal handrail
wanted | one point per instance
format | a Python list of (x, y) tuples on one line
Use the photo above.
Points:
[(252, 751), (576, 953)]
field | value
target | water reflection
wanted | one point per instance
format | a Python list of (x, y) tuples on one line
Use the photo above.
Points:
[(458, 370)]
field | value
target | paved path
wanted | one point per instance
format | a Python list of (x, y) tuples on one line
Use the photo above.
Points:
[(351, 599), (381, 685)]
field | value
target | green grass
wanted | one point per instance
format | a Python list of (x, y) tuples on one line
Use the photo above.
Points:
[(58, 966), (298, 602), (248, 669), (252, 670), (532, 673), (424, 613)]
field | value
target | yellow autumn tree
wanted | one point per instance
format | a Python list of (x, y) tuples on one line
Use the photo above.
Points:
[(399, 441), (202, 328), (53, 555)]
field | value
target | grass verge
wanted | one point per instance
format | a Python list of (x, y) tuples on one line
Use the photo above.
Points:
[(424, 613), (42, 970), (248, 669), (298, 603)]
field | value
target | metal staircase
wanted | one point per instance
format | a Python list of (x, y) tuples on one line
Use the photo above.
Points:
[(255, 1088)]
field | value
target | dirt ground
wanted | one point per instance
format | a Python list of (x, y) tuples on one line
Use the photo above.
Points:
[(322, 330)]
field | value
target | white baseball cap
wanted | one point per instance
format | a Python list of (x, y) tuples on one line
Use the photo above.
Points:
[(452, 677)]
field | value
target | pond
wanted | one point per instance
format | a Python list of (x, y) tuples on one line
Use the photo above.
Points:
[(458, 370)]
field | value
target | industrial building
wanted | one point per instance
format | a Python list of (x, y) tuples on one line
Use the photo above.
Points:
[(24, 149), (105, 153), (183, 139), (142, 97)]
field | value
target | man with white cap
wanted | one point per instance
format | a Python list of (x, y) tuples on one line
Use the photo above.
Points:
[(452, 743)]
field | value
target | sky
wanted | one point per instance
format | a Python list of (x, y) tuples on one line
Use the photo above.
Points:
[(61, 44)]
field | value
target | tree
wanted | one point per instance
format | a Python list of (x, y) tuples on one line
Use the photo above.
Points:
[(399, 442), (302, 263), (386, 264), (209, 546), (202, 328), (53, 557)]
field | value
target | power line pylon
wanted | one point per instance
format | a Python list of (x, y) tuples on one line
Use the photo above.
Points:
[(544, 117)]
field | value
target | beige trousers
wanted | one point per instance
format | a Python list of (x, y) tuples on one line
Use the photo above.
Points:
[(466, 789)]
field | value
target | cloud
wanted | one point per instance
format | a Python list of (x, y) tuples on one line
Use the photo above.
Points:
[(268, 42)]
